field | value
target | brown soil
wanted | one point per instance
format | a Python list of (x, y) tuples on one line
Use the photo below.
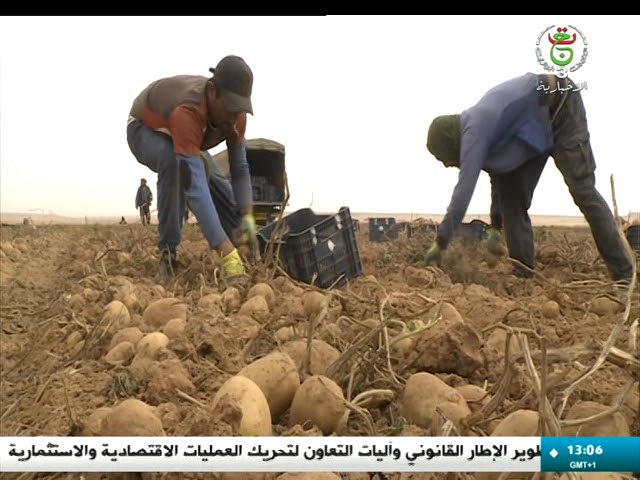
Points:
[(56, 281)]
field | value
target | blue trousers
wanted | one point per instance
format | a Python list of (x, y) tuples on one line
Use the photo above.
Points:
[(183, 180)]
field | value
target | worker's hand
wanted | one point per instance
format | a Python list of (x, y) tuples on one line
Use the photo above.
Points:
[(232, 264), (494, 242), (433, 256)]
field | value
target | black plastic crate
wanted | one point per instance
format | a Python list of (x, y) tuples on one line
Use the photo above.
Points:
[(473, 230), (421, 228), (633, 236), (319, 250), (382, 229)]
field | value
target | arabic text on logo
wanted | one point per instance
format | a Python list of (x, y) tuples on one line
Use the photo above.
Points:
[(561, 49)]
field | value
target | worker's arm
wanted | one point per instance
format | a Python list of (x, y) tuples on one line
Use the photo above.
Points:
[(473, 150), (239, 167)]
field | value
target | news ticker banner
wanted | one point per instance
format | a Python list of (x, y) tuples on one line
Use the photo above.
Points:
[(320, 454)]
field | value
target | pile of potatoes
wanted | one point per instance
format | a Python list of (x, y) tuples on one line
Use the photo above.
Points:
[(263, 391)]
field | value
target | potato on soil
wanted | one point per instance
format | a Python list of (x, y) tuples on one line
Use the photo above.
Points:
[(121, 353), (116, 316), (521, 423), (422, 393), (445, 312), (313, 302), (614, 425), (322, 355), (151, 343), (283, 284), (129, 334), (319, 402), (255, 307), (174, 328), (550, 309), (242, 393), (132, 418), (73, 339), (474, 394), (605, 306), (210, 301), (264, 290), (277, 376), (231, 300), (159, 312), (92, 426)]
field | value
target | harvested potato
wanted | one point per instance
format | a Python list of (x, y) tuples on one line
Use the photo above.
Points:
[(322, 355), (151, 343), (614, 425), (423, 393), (73, 339), (132, 302), (264, 290), (255, 307), (313, 302), (446, 312), (604, 306), (242, 393), (92, 426), (212, 301), (91, 295), (550, 309), (319, 402), (521, 423), (129, 334), (132, 418), (174, 327), (474, 394), (277, 376), (121, 353), (284, 334), (76, 302), (116, 316), (159, 312), (283, 284), (231, 300)]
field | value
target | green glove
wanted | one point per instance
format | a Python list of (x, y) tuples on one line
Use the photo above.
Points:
[(433, 256), (494, 242), (249, 229)]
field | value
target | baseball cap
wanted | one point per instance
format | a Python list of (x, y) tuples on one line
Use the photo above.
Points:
[(235, 80)]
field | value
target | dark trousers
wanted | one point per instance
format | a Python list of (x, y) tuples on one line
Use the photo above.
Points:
[(145, 214), (574, 158)]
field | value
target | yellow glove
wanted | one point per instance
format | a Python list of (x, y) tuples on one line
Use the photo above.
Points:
[(232, 264), (433, 256)]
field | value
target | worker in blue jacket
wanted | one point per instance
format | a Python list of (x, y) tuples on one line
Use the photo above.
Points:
[(510, 133)]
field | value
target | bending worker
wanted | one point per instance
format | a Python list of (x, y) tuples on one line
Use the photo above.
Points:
[(510, 133), (171, 123)]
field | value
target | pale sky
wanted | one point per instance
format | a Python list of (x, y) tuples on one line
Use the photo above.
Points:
[(351, 99)]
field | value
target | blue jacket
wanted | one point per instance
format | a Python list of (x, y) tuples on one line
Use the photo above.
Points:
[(507, 127), (143, 195)]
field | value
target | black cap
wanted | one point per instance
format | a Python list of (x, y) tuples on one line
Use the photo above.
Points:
[(234, 78)]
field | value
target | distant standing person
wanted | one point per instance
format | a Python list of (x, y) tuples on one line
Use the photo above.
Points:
[(172, 124), (144, 197)]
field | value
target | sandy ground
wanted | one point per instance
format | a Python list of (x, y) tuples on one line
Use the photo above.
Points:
[(76, 301)]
